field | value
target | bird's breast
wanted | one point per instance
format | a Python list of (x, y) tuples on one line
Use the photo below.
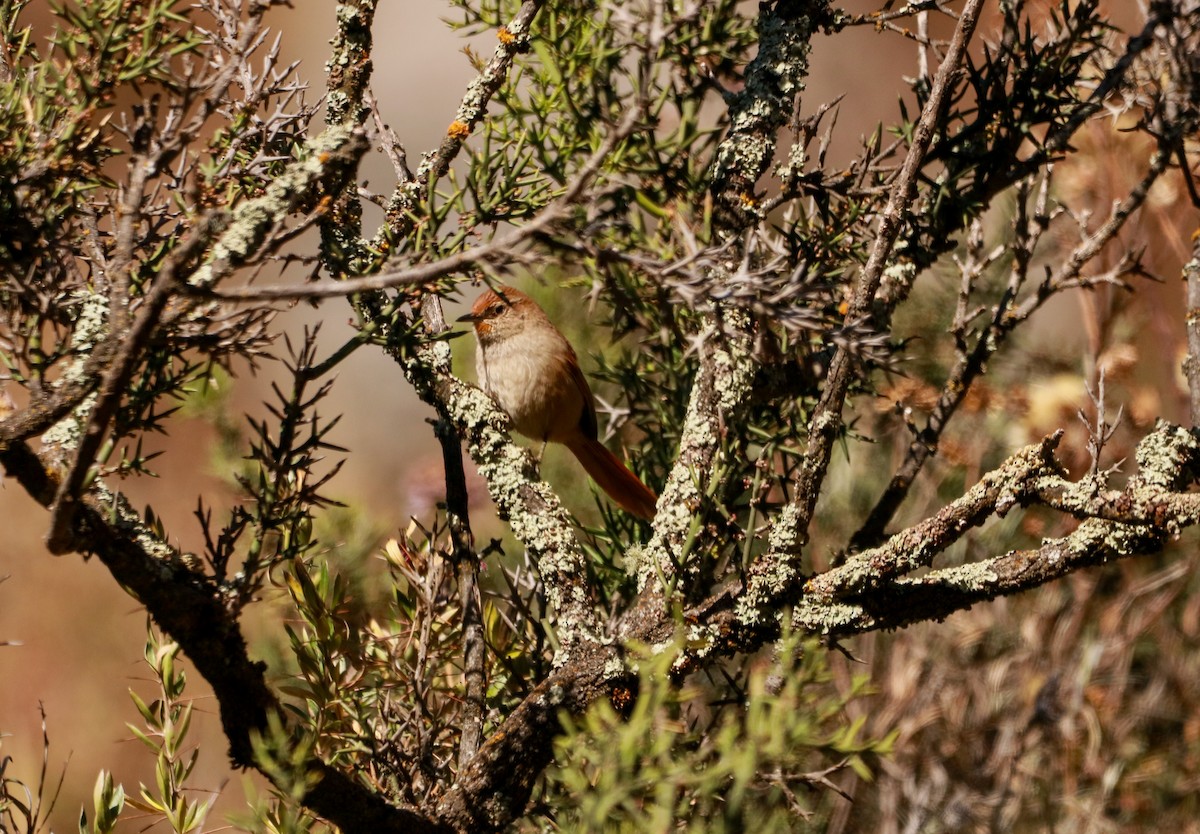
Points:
[(529, 376)]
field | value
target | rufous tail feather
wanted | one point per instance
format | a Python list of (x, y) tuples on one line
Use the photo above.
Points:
[(612, 476)]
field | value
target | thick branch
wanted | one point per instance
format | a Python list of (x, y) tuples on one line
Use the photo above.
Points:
[(493, 790), (940, 593), (997, 492), (774, 80), (719, 393), (189, 608), (127, 354), (869, 593)]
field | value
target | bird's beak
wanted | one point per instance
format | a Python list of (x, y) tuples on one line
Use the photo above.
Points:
[(471, 317)]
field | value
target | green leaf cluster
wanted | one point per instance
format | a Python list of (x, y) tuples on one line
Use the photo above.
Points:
[(752, 752)]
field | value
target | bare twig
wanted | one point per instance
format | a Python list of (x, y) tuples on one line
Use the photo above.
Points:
[(1191, 364), (1099, 431)]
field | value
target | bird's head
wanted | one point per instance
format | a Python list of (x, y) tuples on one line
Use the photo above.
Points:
[(501, 312)]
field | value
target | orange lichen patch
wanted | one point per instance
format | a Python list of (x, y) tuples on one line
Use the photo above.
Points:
[(622, 698), (458, 130), (505, 37)]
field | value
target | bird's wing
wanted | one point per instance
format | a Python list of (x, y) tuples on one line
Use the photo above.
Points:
[(587, 420)]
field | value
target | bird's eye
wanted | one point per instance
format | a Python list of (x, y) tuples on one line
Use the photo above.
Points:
[(496, 309)]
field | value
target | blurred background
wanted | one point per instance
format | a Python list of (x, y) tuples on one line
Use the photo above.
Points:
[(71, 641)]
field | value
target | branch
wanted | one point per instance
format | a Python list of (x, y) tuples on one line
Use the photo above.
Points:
[(1149, 506), (1006, 317), (514, 39), (330, 156), (774, 80), (719, 392), (533, 510), (1057, 141), (330, 160), (190, 608), (492, 791), (499, 250), (127, 348), (162, 145), (996, 493), (1191, 364), (869, 593), (778, 568)]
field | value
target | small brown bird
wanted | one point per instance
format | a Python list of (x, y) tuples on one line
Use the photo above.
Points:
[(532, 371)]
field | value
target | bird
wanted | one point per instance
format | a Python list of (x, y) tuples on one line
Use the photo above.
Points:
[(531, 370)]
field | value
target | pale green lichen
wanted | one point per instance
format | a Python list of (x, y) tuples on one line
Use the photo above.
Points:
[(511, 476), (67, 432), (254, 219), (773, 79), (91, 317), (974, 577), (793, 168), (899, 273), (712, 400), (127, 521), (346, 14), (614, 667), (785, 532), (829, 618), (1162, 455), (91, 322), (734, 372)]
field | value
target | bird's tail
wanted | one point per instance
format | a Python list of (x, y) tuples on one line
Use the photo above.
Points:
[(614, 478)]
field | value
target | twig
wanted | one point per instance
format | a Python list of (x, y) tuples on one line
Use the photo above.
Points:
[(1100, 431), (465, 559), (498, 250), (128, 354), (514, 39), (1191, 364), (790, 532), (390, 142), (169, 142), (1006, 316)]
